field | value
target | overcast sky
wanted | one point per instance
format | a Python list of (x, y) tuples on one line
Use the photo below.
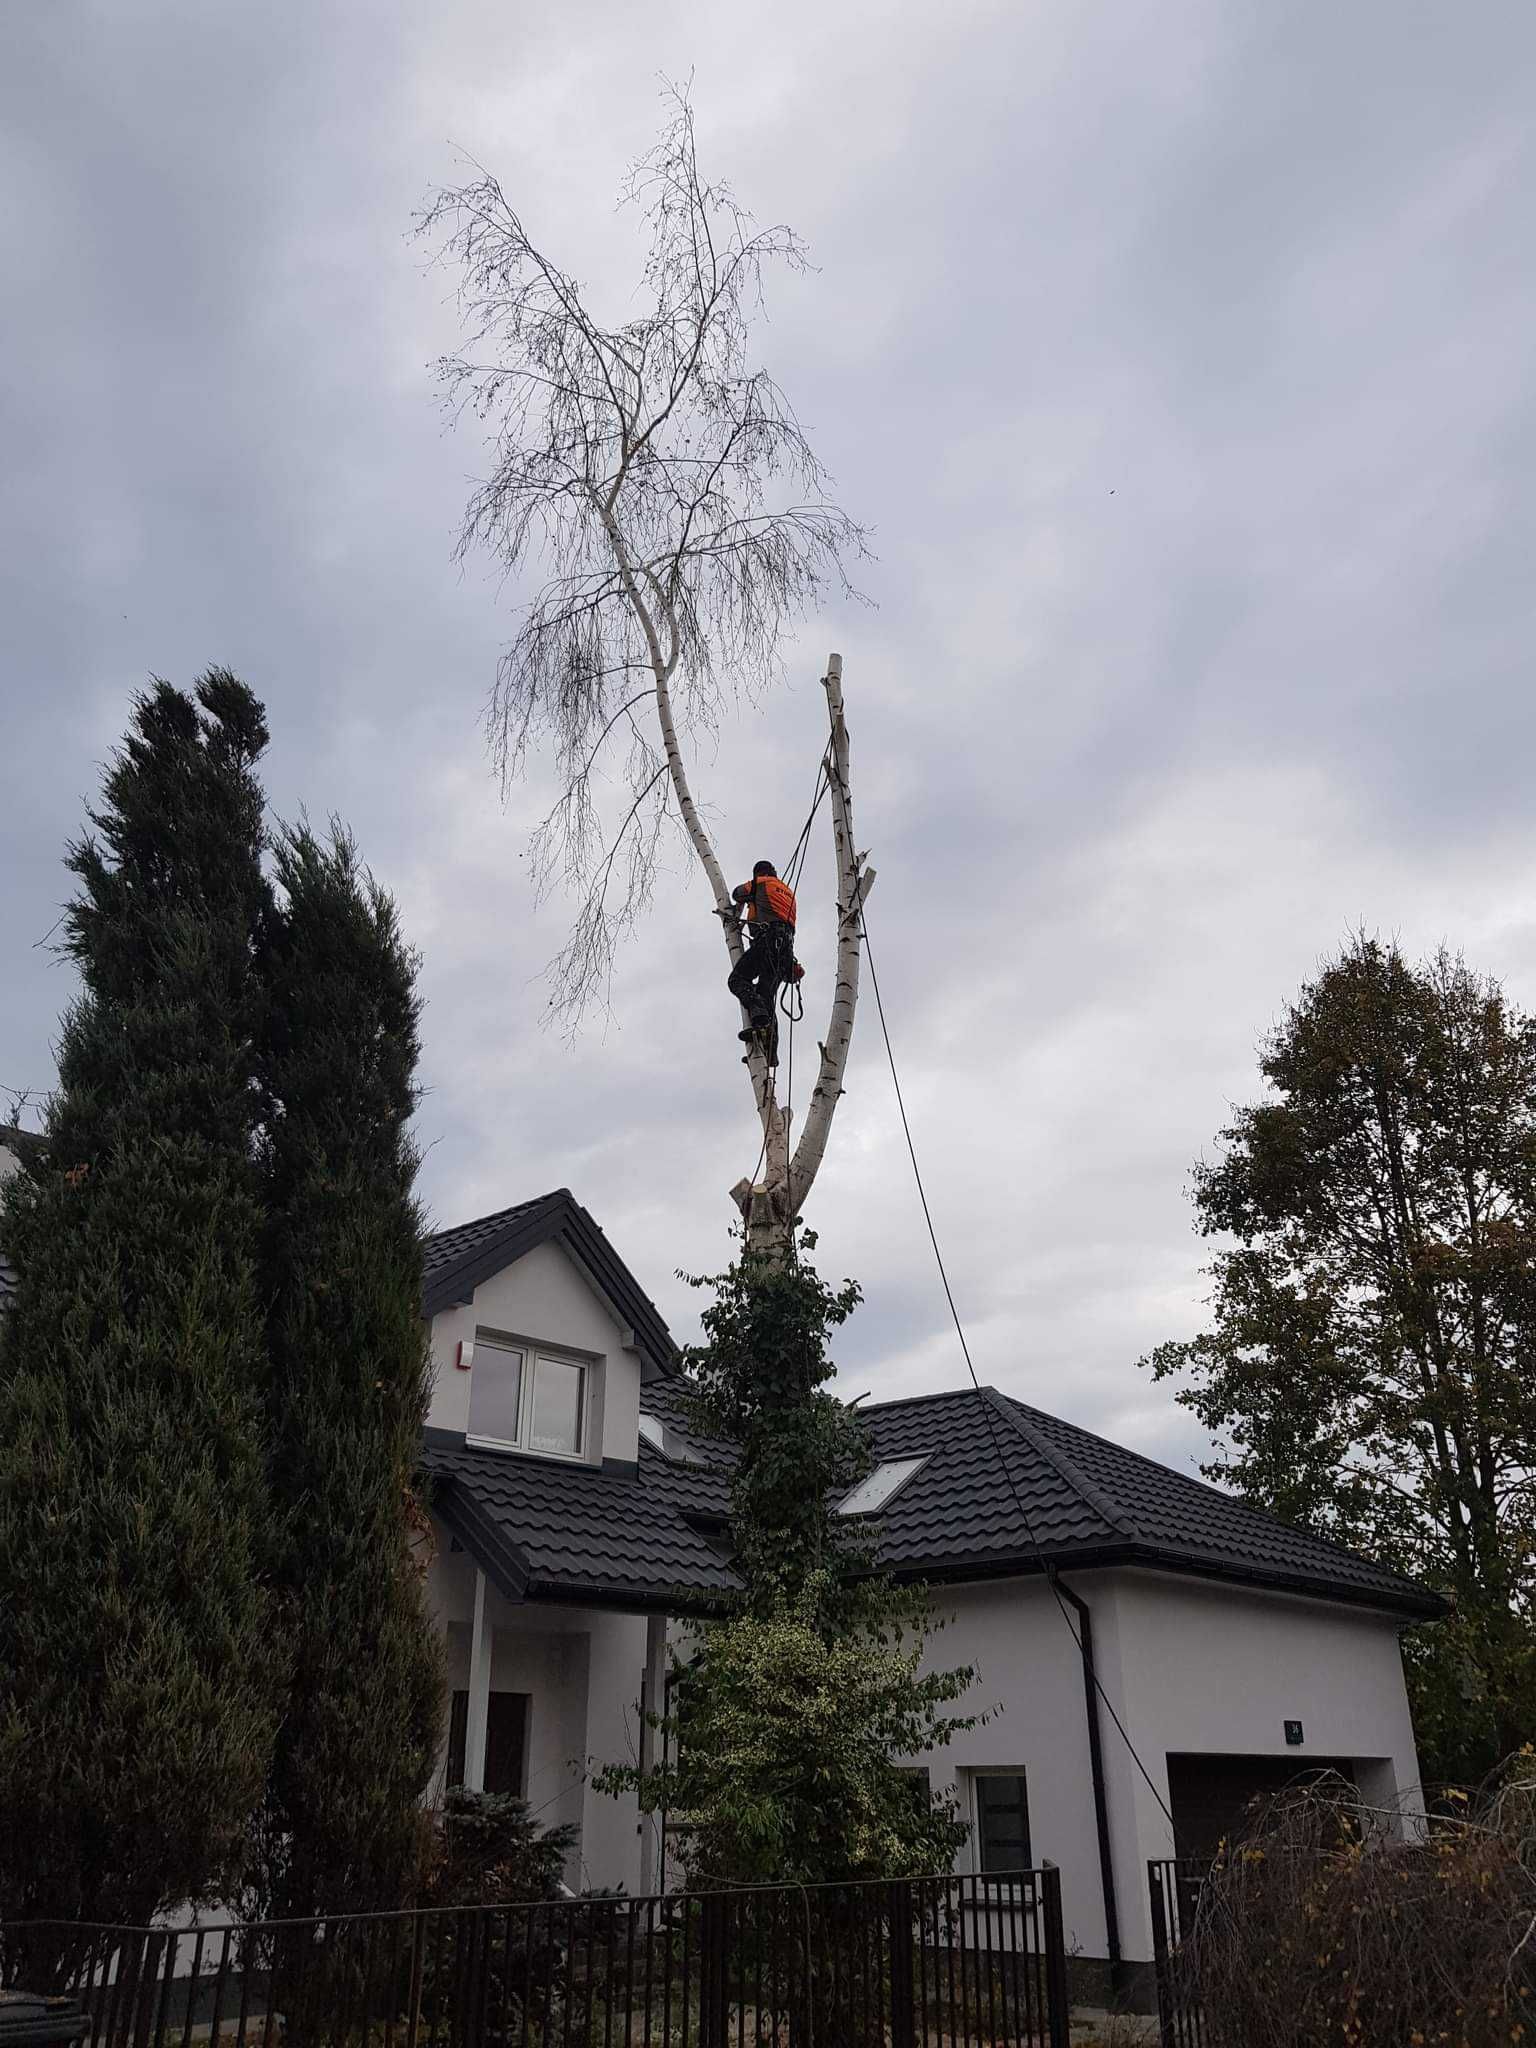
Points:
[(1180, 356)]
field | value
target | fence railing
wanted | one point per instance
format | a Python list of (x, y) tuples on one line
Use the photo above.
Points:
[(1175, 1896), (972, 1962)]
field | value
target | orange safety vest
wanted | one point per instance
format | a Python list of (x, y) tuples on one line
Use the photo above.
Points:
[(775, 900)]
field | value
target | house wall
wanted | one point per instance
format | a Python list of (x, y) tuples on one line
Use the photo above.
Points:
[(1187, 1666), (582, 1669), (1029, 1684), (1221, 1669), (545, 1297)]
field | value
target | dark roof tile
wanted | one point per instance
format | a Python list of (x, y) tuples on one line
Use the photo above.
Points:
[(573, 1531)]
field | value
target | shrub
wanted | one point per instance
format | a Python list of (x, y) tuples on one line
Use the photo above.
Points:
[(1325, 1926)]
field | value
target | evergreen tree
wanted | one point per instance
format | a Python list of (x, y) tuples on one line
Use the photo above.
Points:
[(792, 1713), (347, 1391), (138, 1677)]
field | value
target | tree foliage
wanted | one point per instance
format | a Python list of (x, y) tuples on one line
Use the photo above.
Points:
[(140, 1675), (346, 1390), (1370, 1369), (791, 1715)]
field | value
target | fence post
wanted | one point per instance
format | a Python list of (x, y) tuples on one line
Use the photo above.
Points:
[(1058, 2017), (898, 1907), (714, 1970), (1165, 2015)]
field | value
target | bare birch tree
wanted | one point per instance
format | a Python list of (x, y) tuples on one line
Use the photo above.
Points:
[(682, 523)]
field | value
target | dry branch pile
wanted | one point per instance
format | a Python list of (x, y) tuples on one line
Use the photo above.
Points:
[(1325, 1927)]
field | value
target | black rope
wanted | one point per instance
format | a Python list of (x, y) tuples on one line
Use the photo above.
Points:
[(1018, 1501), (796, 860), (795, 1009)]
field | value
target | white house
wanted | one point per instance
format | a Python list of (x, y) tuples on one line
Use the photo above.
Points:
[(577, 1516)]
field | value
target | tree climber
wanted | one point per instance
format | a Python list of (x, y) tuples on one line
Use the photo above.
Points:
[(769, 960)]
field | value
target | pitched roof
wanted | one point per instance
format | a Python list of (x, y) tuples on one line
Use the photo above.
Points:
[(457, 1260), (545, 1529), (1006, 1489)]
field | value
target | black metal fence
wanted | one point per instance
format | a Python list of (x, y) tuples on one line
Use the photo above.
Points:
[(1175, 1891), (969, 1962)]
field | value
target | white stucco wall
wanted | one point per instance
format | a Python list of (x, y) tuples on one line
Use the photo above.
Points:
[(545, 1298), (1188, 1666), (1029, 1685), (582, 1669), (1216, 1669)]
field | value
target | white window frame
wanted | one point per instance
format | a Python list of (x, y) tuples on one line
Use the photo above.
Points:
[(914, 1463), (529, 1356)]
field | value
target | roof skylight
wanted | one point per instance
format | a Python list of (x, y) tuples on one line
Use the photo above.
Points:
[(881, 1487), (662, 1437)]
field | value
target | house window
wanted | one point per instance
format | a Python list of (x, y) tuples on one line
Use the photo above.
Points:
[(527, 1401), (496, 1392), (559, 1397), (881, 1487), (506, 1740), (917, 1776), (1002, 1821), (662, 1437)]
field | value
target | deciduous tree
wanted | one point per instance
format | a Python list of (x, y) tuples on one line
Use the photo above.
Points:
[(1371, 1366), (662, 480)]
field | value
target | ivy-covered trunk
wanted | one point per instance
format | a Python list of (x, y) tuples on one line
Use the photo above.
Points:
[(791, 1720)]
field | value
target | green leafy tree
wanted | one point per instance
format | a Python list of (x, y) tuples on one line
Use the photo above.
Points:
[(1371, 1367), (347, 1391), (791, 1716), (139, 1676)]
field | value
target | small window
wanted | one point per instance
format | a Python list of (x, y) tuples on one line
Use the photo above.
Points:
[(917, 1776), (559, 1397), (881, 1487), (526, 1403), (662, 1437), (496, 1393), (1002, 1821)]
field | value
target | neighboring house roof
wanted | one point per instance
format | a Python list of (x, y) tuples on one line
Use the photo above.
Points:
[(1005, 1490), (457, 1260), (21, 1145)]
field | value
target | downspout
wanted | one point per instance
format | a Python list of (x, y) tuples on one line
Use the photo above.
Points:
[(1096, 1769)]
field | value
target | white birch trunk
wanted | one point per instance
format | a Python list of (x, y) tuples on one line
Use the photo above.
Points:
[(761, 1214), (854, 881)]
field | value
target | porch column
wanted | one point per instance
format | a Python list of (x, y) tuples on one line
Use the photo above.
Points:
[(477, 1719), (652, 1701)]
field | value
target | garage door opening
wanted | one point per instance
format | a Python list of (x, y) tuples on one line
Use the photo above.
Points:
[(1213, 1796)]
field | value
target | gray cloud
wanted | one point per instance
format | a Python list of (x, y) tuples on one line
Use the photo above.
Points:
[(1180, 357)]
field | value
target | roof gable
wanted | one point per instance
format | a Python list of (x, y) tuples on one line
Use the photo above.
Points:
[(458, 1260)]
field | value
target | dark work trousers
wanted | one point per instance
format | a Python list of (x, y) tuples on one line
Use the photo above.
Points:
[(762, 970)]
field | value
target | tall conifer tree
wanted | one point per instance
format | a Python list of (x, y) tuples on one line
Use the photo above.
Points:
[(138, 1679), (347, 1390)]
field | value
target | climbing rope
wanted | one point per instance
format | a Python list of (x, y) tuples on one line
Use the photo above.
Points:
[(1047, 1565), (791, 1000)]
